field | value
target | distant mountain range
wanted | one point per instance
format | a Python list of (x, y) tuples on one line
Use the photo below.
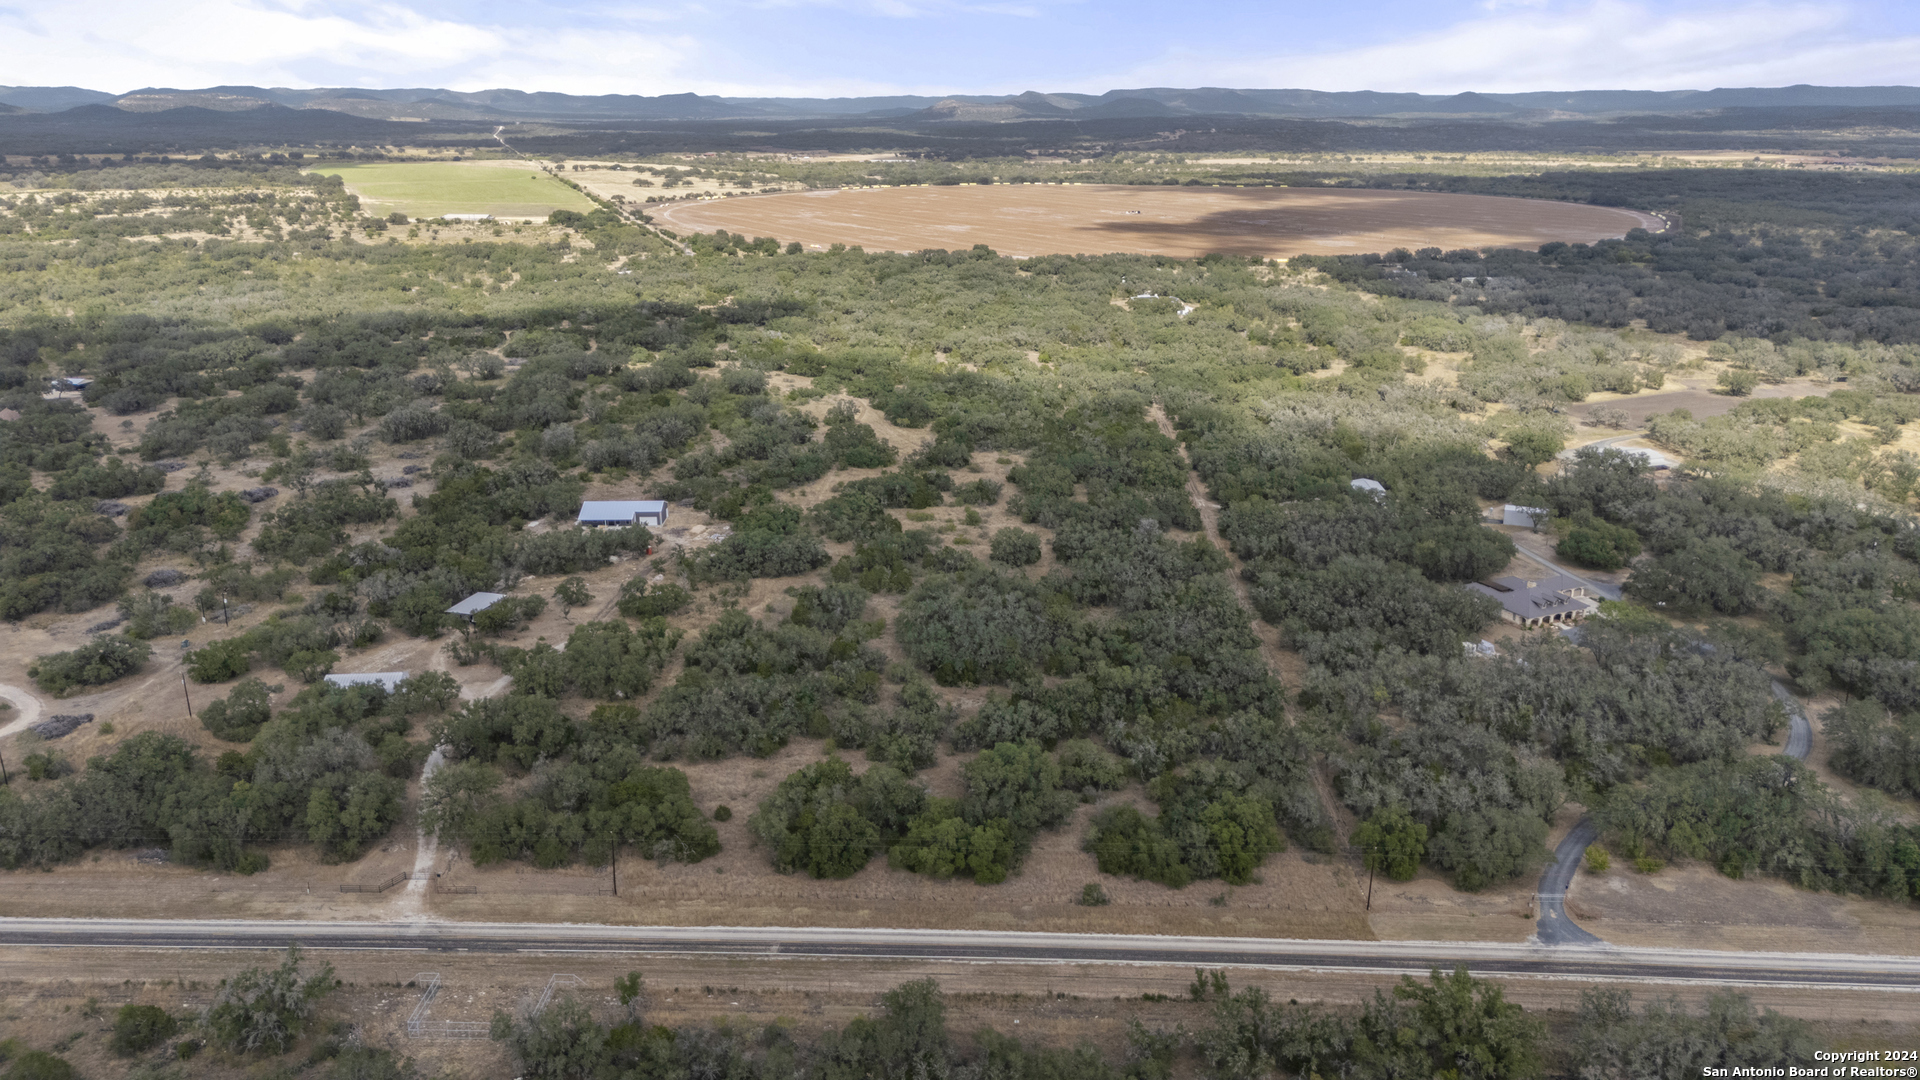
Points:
[(516, 106)]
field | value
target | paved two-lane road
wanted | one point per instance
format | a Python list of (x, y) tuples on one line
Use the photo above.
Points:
[(1376, 957)]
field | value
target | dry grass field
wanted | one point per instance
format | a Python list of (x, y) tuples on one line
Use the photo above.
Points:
[(1043, 219), (67, 998), (420, 189)]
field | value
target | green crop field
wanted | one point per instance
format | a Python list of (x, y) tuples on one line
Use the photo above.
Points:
[(432, 188)]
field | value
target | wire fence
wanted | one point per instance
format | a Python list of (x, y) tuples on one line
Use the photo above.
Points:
[(419, 1027), (379, 888)]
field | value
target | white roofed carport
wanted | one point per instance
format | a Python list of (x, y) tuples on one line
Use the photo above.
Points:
[(386, 680), (475, 604)]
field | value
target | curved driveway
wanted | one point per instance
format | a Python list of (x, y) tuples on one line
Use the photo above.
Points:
[(26, 708), (1554, 927), (1799, 731)]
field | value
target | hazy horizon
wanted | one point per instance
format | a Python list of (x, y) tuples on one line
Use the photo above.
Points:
[(859, 48)]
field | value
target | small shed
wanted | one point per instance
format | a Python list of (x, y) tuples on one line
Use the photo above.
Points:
[(72, 382), (386, 680), (475, 604), (1523, 516), (624, 512), (1372, 487)]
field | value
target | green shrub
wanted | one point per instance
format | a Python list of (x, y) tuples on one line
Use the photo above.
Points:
[(854, 445), (1738, 382), (1392, 842), (828, 609), (515, 730), (977, 626), (238, 716), (756, 552), (822, 820), (267, 1010), (151, 614), (572, 593), (427, 691), (96, 663), (221, 660), (176, 518), (610, 799), (46, 765), (1488, 846), (311, 665), (981, 492), (40, 1065), (1014, 547), (138, 1028), (508, 615), (639, 601), (940, 843), (1088, 770), (1600, 545), (1127, 843), (1093, 895)]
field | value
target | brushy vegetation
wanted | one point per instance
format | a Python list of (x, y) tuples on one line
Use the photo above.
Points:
[(518, 369)]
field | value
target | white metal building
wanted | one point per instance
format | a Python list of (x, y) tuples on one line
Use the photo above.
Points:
[(624, 512), (475, 604), (386, 680)]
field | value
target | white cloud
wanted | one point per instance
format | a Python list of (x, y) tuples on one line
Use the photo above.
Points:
[(672, 46), (1607, 44), (125, 44), (911, 9)]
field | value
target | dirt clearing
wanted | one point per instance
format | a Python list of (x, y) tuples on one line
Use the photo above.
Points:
[(1694, 905), (1092, 219)]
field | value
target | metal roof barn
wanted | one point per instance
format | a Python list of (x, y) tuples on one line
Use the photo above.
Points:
[(624, 512), (386, 680), (475, 604)]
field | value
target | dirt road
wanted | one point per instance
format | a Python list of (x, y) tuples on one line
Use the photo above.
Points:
[(26, 709), (1269, 636)]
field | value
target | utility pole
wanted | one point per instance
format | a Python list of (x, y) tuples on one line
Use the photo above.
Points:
[(185, 694), (226, 613), (4, 778), (616, 868)]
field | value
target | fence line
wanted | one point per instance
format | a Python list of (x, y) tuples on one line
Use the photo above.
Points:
[(380, 888), (552, 984), (419, 1027)]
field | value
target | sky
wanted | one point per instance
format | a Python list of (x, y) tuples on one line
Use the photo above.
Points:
[(834, 48)]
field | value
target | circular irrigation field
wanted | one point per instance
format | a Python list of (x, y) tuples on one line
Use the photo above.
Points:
[(1094, 219)]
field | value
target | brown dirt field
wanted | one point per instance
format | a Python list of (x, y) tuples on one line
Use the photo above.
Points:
[(1697, 397), (1695, 906), (1042, 219)]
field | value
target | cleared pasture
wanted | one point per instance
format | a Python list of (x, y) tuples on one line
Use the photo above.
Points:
[(426, 189), (1096, 219)]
